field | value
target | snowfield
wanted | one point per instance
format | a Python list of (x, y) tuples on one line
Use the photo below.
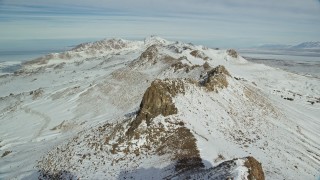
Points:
[(117, 109)]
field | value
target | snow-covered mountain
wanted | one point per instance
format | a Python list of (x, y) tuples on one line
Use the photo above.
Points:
[(156, 109), (301, 46), (307, 45)]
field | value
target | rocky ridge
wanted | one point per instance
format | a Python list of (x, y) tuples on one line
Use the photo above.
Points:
[(145, 134), (156, 109)]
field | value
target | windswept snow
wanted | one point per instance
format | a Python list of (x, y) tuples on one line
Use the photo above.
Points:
[(59, 101)]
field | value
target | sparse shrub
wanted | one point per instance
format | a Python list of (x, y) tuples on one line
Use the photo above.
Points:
[(219, 158)]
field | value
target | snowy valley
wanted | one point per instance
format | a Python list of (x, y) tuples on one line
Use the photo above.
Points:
[(156, 109)]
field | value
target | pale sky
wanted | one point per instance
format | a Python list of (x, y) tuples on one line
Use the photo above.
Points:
[(220, 23)]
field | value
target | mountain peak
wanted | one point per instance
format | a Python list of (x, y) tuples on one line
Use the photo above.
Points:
[(102, 44), (153, 39)]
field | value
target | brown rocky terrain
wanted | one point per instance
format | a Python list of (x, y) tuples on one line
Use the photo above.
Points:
[(157, 100), (233, 53), (199, 54), (216, 78), (254, 169), (156, 133), (226, 170)]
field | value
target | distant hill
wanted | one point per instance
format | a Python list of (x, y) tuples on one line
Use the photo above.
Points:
[(307, 45), (274, 46), (304, 45)]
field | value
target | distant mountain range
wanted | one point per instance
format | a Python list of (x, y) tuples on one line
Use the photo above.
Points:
[(304, 45), (307, 45)]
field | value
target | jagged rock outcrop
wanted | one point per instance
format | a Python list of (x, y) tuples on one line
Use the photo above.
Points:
[(179, 65), (206, 66), (155, 40), (251, 169), (107, 145), (158, 97), (215, 78), (36, 93), (150, 54), (158, 100), (148, 57), (199, 54), (185, 67), (233, 53), (255, 170)]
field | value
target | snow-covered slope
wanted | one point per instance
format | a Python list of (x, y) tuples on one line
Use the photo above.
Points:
[(117, 109)]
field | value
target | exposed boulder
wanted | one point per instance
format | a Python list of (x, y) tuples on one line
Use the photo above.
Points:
[(199, 54), (179, 65), (233, 53), (218, 70), (206, 66), (6, 153), (255, 170), (158, 100), (185, 67), (215, 78), (149, 56), (36, 93), (251, 169)]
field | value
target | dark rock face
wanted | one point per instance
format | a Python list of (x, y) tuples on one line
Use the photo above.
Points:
[(178, 141), (216, 78), (218, 70), (254, 169), (179, 65), (158, 97), (206, 66), (148, 57), (233, 53), (158, 100), (226, 170), (186, 151), (36, 93), (199, 54), (150, 54), (185, 67)]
